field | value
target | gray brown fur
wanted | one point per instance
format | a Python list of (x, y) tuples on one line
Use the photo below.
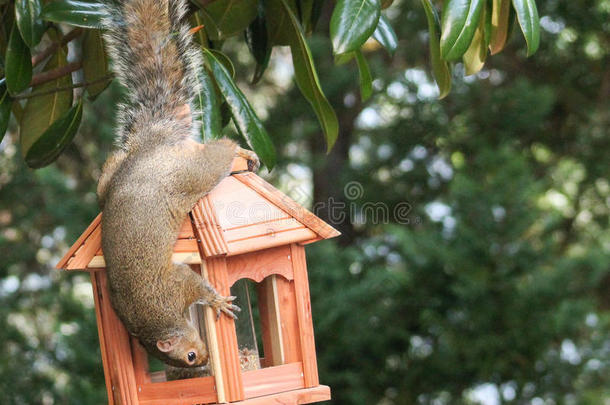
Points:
[(152, 181)]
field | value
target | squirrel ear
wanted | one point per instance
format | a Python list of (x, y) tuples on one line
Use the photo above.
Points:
[(167, 345)]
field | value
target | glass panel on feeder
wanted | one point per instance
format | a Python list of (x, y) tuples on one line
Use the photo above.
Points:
[(244, 326)]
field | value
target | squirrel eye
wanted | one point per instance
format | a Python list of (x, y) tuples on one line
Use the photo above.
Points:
[(191, 357)]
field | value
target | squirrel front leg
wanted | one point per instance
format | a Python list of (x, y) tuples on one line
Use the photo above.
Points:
[(199, 291)]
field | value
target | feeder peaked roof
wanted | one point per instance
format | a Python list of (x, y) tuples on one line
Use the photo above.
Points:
[(242, 214)]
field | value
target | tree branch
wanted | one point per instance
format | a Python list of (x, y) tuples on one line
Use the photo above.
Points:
[(39, 57), (64, 88), (56, 73)]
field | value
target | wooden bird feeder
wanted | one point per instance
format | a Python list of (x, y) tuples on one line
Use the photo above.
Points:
[(243, 229)]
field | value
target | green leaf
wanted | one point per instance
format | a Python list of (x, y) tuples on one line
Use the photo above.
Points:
[(259, 46), (207, 103), (527, 15), (18, 68), (385, 35), (487, 7), (499, 25), (224, 18), (307, 78), (352, 23), (225, 60), (305, 9), (55, 139), (279, 25), (95, 63), (460, 20), (27, 16), (343, 58), (78, 13), (474, 57), (440, 68), (42, 111), (5, 108), (366, 80), (246, 120)]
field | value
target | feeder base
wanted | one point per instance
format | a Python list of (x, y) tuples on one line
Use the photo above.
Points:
[(296, 397)]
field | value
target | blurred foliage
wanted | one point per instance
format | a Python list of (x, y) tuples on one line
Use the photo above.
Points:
[(490, 272), (40, 58)]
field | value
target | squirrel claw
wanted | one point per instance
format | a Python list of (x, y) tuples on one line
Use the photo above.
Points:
[(253, 161), (227, 308)]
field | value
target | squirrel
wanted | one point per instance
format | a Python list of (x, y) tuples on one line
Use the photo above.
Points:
[(152, 180)]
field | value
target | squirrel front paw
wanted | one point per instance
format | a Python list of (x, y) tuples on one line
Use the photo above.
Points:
[(253, 162), (225, 304)]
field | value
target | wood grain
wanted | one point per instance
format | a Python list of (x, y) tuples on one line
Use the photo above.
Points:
[(296, 397), (140, 362), (269, 310), (236, 205), (303, 302), (213, 349), (179, 392), (98, 262), (122, 374), (186, 230), (261, 228), (270, 240), (227, 338), (291, 336), (272, 380), (258, 265), (207, 230), (64, 260), (86, 251), (100, 331), (287, 204)]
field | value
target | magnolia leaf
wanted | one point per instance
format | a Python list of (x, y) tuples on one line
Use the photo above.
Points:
[(78, 13), (246, 121), (55, 139), (18, 69), (474, 57), (527, 15), (224, 18), (366, 80), (499, 25), (42, 111), (280, 24), (352, 23), (305, 10), (460, 20), (5, 108), (259, 46), (208, 105), (95, 63), (440, 67), (225, 60), (27, 16), (343, 58), (385, 35), (307, 78)]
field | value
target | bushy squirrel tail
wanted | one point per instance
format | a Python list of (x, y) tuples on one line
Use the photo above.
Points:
[(153, 57)]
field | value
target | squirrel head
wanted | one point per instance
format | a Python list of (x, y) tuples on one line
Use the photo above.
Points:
[(183, 349)]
